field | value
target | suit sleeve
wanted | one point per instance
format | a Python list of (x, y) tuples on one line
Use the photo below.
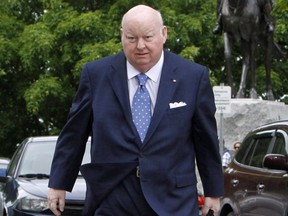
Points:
[(72, 140), (206, 140)]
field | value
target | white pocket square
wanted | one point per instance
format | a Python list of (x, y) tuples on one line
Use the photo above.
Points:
[(177, 104)]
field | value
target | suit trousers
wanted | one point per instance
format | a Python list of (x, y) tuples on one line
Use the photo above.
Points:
[(126, 199)]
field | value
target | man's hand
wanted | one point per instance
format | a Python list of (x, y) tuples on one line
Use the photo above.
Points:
[(212, 203), (56, 201)]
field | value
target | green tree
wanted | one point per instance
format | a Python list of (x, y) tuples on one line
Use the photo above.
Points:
[(280, 13), (44, 44)]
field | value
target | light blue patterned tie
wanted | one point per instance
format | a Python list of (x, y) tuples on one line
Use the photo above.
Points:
[(141, 107)]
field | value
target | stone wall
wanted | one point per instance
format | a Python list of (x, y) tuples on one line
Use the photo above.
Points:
[(246, 114)]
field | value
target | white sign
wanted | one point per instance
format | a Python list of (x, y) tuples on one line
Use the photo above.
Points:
[(222, 95)]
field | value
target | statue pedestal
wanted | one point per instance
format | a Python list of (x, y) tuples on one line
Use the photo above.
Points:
[(246, 114)]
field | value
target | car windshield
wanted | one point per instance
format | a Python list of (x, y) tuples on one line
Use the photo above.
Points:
[(37, 159)]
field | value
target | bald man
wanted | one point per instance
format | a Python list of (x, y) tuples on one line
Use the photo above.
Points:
[(142, 156)]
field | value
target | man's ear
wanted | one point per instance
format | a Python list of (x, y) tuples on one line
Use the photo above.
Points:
[(164, 33)]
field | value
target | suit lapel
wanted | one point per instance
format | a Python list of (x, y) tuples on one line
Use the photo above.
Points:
[(166, 90), (118, 79)]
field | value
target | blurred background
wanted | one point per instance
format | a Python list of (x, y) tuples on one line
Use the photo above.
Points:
[(44, 44)]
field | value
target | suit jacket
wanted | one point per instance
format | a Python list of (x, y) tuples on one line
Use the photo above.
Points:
[(175, 138)]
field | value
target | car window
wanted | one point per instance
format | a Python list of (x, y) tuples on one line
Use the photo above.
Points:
[(87, 157), (279, 146), (242, 153), (255, 146), (14, 161), (261, 149), (37, 158), (250, 152)]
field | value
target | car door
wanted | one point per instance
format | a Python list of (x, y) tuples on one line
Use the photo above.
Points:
[(265, 190), (247, 174), (273, 189)]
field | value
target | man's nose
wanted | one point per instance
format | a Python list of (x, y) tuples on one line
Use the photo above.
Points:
[(140, 43)]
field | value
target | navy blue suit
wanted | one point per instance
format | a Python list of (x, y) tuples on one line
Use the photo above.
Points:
[(174, 139)]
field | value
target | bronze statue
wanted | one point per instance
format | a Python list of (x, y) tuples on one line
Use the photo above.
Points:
[(250, 22), (265, 7)]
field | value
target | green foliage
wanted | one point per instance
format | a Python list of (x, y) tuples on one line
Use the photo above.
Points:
[(190, 52), (91, 52), (37, 44), (27, 11), (7, 51), (42, 93), (280, 12), (44, 44)]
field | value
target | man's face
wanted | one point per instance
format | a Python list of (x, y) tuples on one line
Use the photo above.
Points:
[(143, 41)]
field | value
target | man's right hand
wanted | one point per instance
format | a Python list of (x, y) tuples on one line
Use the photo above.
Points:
[(56, 201)]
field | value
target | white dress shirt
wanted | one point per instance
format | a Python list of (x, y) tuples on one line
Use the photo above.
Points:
[(152, 83)]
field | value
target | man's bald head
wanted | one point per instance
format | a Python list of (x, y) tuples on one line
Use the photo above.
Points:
[(141, 12)]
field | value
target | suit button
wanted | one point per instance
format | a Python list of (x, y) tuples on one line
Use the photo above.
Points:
[(141, 154)]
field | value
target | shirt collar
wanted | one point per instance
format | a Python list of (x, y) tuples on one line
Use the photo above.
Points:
[(154, 73)]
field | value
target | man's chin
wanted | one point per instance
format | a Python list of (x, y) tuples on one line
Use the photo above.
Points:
[(142, 66)]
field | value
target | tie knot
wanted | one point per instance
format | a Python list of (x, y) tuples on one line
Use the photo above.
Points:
[(142, 78)]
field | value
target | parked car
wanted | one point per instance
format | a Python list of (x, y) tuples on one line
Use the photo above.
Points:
[(25, 187), (3, 165), (256, 181), (26, 183)]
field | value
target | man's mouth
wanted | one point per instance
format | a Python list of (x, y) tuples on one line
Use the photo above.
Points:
[(141, 54)]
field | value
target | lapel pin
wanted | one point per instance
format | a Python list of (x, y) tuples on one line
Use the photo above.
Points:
[(174, 80)]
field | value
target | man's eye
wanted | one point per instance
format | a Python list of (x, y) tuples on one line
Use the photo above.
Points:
[(130, 38), (149, 37)]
